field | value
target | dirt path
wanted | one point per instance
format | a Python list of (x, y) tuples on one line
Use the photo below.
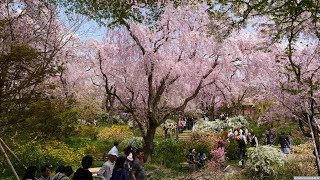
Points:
[(203, 174)]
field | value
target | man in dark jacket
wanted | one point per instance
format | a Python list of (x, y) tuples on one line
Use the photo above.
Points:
[(84, 173), (284, 143)]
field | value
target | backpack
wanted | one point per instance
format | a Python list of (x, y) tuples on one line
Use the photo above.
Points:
[(253, 142), (242, 143)]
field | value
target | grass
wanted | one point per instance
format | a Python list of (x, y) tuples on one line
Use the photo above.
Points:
[(156, 172)]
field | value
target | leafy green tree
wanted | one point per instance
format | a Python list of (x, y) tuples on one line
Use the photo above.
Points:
[(51, 118), (280, 17), (23, 69), (114, 12)]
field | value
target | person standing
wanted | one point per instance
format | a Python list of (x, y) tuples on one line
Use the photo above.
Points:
[(270, 136), (105, 172), (242, 148), (180, 126), (253, 140), (284, 143), (129, 158), (119, 171), (137, 172), (84, 173)]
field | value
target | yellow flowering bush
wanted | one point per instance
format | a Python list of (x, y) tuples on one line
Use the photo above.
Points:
[(50, 152), (302, 161), (115, 132), (209, 138), (306, 148), (302, 165)]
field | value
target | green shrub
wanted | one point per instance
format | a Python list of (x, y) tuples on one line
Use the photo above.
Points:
[(86, 131), (115, 133), (88, 146), (169, 153), (232, 150), (52, 118), (265, 160), (39, 153)]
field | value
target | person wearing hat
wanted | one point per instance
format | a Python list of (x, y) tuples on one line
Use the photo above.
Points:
[(114, 148), (105, 172)]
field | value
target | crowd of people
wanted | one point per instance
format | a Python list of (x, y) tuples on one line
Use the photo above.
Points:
[(245, 137), (61, 173), (129, 165), (186, 124)]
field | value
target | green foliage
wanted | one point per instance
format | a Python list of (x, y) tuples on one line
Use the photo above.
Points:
[(293, 131), (116, 11), (23, 71), (169, 153), (265, 159), (117, 120), (232, 150), (49, 152), (115, 133), (88, 145), (86, 131), (199, 146), (52, 118), (282, 14)]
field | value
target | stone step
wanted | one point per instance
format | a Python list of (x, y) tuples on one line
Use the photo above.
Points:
[(186, 135)]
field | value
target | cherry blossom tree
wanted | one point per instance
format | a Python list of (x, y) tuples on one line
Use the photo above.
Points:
[(245, 76), (298, 88), (157, 72)]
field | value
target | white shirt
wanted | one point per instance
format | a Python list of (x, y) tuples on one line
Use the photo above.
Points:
[(105, 171), (256, 139)]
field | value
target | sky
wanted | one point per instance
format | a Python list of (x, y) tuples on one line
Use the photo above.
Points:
[(89, 29)]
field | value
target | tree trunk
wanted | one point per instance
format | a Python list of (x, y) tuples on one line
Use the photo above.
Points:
[(317, 144), (212, 109), (148, 143)]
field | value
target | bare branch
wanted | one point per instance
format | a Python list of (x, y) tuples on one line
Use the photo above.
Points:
[(134, 37)]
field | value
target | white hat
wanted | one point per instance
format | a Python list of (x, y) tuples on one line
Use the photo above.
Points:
[(130, 157), (114, 152)]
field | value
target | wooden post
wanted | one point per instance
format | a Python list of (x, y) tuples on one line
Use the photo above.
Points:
[(14, 155), (314, 143), (177, 133), (9, 162)]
